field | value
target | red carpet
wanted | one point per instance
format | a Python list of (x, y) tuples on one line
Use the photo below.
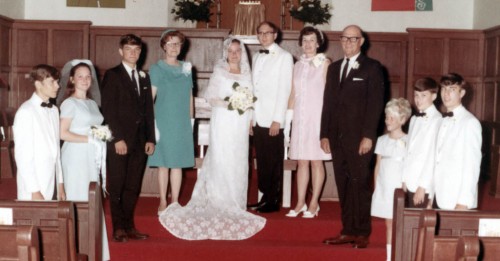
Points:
[(281, 239)]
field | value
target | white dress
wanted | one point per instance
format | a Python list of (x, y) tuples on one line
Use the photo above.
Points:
[(217, 209), (390, 174), (78, 159)]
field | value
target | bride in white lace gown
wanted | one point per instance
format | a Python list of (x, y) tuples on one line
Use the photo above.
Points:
[(217, 209)]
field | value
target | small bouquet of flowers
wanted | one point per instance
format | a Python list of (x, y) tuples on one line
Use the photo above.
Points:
[(193, 10), (101, 132), (311, 11), (241, 100)]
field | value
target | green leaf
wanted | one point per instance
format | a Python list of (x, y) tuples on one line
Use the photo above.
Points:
[(235, 84), (230, 107), (226, 99), (241, 111)]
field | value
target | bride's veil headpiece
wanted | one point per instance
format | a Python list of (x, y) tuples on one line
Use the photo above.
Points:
[(223, 64), (63, 82)]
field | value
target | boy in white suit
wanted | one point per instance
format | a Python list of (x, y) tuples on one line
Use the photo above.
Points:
[(272, 83), (36, 135), (458, 150), (418, 170)]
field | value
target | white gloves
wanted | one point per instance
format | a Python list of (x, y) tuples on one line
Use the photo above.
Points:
[(288, 123)]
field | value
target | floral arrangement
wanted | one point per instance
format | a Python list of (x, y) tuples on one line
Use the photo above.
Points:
[(311, 11), (142, 74), (186, 68), (193, 10), (355, 65), (241, 100), (101, 132)]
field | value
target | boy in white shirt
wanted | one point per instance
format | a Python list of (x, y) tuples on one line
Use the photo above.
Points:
[(36, 135), (458, 151), (418, 167)]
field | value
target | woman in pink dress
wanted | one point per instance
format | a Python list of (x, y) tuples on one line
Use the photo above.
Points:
[(304, 107)]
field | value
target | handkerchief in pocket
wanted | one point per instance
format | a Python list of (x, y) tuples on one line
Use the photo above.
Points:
[(357, 79)]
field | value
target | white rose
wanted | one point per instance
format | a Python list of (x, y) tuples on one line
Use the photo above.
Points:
[(186, 68), (142, 74)]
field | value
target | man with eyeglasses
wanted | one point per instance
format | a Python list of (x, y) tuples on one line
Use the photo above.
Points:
[(352, 107), (272, 81)]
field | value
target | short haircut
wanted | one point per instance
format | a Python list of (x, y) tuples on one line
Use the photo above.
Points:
[(169, 35), (308, 30), (426, 84), (43, 71), (130, 39), (273, 26), (400, 107), (453, 79), (70, 87)]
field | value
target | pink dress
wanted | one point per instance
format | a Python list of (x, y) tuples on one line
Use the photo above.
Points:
[(309, 85)]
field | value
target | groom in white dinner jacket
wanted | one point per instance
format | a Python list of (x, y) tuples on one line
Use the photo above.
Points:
[(36, 135), (272, 83)]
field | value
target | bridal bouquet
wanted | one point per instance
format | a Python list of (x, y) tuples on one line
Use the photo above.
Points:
[(101, 132), (241, 100)]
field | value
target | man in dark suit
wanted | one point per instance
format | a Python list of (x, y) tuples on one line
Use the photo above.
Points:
[(127, 106), (352, 106)]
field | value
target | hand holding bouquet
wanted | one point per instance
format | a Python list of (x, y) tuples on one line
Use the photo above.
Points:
[(101, 132), (241, 100)]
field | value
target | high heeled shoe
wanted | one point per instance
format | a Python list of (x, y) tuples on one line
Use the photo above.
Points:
[(309, 214), (292, 212)]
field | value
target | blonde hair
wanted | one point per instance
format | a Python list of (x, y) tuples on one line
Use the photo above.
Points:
[(400, 107)]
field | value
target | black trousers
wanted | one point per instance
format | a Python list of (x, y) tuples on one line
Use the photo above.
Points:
[(270, 152), (352, 175), (124, 184)]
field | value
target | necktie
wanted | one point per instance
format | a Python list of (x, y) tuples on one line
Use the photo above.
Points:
[(344, 72), (135, 82), (448, 114), (46, 104), (264, 51), (420, 114)]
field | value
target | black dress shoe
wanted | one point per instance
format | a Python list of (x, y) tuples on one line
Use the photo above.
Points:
[(120, 236), (268, 208), (132, 233), (360, 242), (256, 205), (340, 239)]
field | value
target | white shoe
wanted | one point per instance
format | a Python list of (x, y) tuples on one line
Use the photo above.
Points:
[(308, 214), (292, 212)]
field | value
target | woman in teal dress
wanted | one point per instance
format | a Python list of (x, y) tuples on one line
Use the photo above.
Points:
[(172, 84)]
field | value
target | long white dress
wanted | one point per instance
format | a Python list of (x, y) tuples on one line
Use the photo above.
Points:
[(390, 174), (78, 159), (217, 209)]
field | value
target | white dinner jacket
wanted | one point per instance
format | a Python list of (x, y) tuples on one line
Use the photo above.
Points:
[(272, 83), (418, 166), (458, 160), (36, 135)]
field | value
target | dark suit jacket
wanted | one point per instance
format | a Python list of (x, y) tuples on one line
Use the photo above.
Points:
[(353, 111), (129, 116)]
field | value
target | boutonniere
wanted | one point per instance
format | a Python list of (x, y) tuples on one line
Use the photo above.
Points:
[(402, 143), (186, 68), (318, 60), (355, 65), (142, 74)]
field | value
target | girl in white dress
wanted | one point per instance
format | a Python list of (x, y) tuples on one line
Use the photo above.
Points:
[(78, 153), (390, 150), (217, 209)]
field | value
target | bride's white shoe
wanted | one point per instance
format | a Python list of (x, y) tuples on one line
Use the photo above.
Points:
[(309, 214), (292, 212)]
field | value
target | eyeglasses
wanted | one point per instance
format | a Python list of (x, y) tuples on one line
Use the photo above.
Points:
[(264, 33), (349, 39), (169, 44)]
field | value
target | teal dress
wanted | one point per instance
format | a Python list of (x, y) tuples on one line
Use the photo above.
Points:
[(175, 149)]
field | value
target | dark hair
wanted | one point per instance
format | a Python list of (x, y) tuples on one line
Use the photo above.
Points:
[(453, 79), (130, 39), (426, 84), (273, 26), (70, 87), (169, 35), (43, 71), (308, 30)]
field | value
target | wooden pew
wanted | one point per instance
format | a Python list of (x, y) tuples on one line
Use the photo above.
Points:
[(56, 223), (26, 247), (89, 218), (433, 247), (405, 229)]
